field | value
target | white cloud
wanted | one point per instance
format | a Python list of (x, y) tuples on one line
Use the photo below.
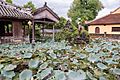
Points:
[(61, 6), (110, 5)]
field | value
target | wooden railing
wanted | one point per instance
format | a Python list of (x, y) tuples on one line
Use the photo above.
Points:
[(11, 39)]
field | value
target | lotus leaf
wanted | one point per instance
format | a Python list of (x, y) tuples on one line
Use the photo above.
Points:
[(116, 71), (101, 66), (33, 63), (25, 75), (1, 66), (27, 55), (110, 61), (82, 56), (50, 51), (89, 49), (90, 75), (93, 58), (60, 75), (8, 74), (72, 75), (53, 55), (9, 67), (116, 57), (44, 65), (45, 73), (102, 78)]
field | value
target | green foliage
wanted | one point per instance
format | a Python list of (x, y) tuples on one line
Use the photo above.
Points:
[(30, 5), (9, 1), (58, 25), (37, 32), (67, 34), (84, 35), (84, 9), (61, 23)]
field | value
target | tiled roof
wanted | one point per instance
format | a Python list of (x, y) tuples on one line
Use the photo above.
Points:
[(112, 18), (8, 12), (45, 7)]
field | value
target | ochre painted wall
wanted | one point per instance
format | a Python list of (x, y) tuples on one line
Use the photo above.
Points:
[(103, 28)]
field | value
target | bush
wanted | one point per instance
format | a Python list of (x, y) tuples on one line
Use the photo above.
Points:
[(65, 34)]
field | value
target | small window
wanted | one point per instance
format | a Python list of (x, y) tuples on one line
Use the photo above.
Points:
[(97, 30), (115, 29)]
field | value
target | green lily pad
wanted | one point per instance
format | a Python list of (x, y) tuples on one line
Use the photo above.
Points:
[(33, 64), (60, 75), (116, 71), (102, 78), (45, 73), (93, 58), (72, 75), (90, 76), (27, 55), (8, 74), (1, 66), (44, 65), (53, 55), (82, 56), (9, 67), (25, 75), (101, 66)]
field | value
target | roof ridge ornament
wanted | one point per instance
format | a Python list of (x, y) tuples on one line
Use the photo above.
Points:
[(45, 4)]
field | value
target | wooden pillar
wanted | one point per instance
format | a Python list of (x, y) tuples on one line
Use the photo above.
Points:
[(17, 29), (2, 29), (24, 31), (43, 29), (53, 33), (7, 28), (33, 31)]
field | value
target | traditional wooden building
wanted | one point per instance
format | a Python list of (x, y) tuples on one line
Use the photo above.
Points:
[(12, 23), (45, 15), (107, 26)]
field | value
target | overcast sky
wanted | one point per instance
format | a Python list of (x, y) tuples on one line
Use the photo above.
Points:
[(61, 7)]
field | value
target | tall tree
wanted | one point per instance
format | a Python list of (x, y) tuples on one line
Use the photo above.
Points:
[(30, 5), (61, 23), (9, 1), (83, 10)]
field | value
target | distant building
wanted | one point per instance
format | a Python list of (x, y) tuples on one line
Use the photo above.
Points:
[(107, 26)]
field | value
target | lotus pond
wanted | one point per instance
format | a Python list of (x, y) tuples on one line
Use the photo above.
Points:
[(98, 60)]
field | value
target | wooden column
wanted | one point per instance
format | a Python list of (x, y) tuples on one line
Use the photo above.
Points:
[(7, 28), (17, 29), (33, 31), (43, 29)]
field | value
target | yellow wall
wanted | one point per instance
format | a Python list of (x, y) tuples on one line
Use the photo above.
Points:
[(103, 28)]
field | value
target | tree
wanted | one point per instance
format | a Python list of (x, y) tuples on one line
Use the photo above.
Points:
[(9, 1), (61, 23), (30, 5), (84, 10)]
